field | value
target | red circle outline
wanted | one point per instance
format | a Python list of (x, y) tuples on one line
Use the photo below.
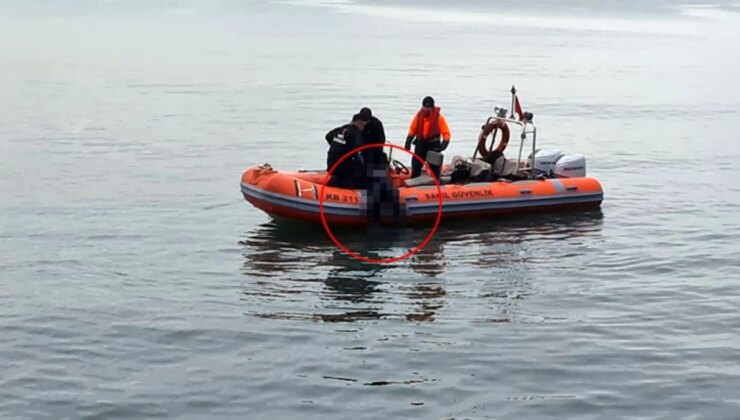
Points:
[(380, 260)]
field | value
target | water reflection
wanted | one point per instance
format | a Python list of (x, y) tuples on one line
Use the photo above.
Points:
[(352, 289), (502, 242), (297, 272), (430, 261)]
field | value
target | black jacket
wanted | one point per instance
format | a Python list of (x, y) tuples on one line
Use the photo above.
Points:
[(374, 133), (341, 141)]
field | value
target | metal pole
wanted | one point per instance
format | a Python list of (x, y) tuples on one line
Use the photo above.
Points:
[(521, 148), (475, 152), (534, 147), (493, 139), (513, 94)]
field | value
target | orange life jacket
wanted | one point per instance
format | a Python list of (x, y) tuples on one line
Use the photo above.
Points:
[(432, 129)]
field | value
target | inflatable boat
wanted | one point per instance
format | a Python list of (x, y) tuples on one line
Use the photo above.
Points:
[(480, 186)]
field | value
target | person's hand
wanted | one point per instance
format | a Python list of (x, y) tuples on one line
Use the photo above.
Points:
[(408, 142), (437, 145)]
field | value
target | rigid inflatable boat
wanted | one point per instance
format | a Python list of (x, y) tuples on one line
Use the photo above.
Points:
[(479, 186)]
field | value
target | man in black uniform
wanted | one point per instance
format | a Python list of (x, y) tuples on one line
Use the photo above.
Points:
[(373, 133), (351, 172), (381, 192)]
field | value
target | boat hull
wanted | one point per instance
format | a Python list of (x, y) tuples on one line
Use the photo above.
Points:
[(295, 195)]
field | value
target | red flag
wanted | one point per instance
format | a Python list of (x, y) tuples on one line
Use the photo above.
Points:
[(518, 108)]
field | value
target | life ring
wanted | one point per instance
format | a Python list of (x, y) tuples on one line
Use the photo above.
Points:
[(488, 129)]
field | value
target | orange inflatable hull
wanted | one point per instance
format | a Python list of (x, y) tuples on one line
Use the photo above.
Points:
[(295, 195)]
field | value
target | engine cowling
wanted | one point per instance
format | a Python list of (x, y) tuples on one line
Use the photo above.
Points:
[(570, 166), (545, 161)]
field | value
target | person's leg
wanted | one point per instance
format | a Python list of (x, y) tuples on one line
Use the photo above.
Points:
[(394, 201), (415, 164), (397, 211), (434, 145), (345, 183), (421, 151), (377, 203), (345, 176), (332, 181), (435, 170), (372, 196)]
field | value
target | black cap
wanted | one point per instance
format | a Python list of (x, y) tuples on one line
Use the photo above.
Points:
[(428, 101), (366, 112), (360, 117)]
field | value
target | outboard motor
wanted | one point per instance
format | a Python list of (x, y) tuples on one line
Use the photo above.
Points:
[(570, 166), (545, 161)]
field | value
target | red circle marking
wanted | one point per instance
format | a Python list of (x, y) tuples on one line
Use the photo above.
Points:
[(380, 260)]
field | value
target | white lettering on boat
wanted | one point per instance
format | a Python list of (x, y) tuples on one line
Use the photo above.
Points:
[(460, 194)]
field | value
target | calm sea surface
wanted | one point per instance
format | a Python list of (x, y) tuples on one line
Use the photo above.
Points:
[(136, 282)]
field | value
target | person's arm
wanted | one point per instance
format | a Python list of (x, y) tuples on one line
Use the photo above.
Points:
[(412, 126), (331, 134), (444, 130), (381, 131), (354, 140), (412, 131)]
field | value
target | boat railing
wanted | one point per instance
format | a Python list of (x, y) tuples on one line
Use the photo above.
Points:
[(526, 128)]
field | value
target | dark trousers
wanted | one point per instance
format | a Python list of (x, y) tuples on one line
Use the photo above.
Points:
[(421, 149), (348, 174), (342, 182)]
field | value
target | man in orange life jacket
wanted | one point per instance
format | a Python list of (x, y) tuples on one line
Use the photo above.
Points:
[(431, 132)]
